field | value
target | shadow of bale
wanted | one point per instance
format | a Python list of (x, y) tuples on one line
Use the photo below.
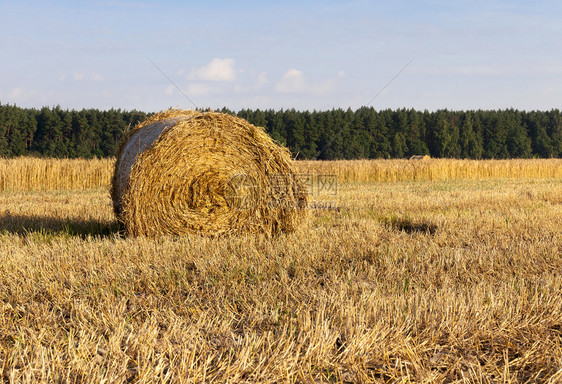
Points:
[(409, 225), (25, 225)]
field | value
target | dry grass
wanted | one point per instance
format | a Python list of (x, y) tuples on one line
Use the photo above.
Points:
[(434, 169), (28, 174), (31, 174), (443, 281)]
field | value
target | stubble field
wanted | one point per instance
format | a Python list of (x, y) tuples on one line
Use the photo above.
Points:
[(445, 271)]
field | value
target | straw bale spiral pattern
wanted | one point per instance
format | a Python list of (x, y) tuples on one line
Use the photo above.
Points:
[(205, 172)]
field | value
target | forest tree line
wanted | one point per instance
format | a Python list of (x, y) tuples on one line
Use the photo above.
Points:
[(326, 135)]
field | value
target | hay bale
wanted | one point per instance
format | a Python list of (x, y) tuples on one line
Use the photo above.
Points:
[(420, 157), (185, 172), (134, 143)]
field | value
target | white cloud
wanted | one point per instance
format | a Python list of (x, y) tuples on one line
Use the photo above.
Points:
[(479, 70), (17, 93), (293, 81), (262, 80), (216, 70), (488, 70), (23, 95), (199, 89), (96, 77), (547, 69), (79, 76), (170, 90)]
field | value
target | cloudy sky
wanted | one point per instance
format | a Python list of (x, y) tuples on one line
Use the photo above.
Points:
[(307, 54)]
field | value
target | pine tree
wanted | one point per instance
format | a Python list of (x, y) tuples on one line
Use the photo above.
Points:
[(414, 132), (49, 132), (444, 140), (17, 133), (555, 132), (518, 141), (114, 126), (399, 147), (380, 141), (5, 125), (471, 147), (275, 126), (310, 148), (82, 136)]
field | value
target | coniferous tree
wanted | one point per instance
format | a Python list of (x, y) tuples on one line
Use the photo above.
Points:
[(555, 132), (518, 141), (5, 125), (49, 132), (381, 146), (258, 118), (294, 123), (444, 137), (543, 143), (334, 134), (310, 149), (471, 146), (82, 136), (495, 136), (399, 148), (95, 123), (330, 140), (275, 126), (414, 133), (17, 133), (113, 128)]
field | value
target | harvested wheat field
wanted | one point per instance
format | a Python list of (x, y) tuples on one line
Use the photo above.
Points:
[(448, 278)]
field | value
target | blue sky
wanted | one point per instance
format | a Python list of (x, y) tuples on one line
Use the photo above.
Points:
[(307, 55)]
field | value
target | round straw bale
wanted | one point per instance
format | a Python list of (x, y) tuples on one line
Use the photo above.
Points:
[(211, 173)]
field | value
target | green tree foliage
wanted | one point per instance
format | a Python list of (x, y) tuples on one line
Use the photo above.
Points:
[(323, 135), (49, 137), (82, 136), (399, 148), (518, 141), (444, 135), (415, 134), (470, 140), (16, 131)]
